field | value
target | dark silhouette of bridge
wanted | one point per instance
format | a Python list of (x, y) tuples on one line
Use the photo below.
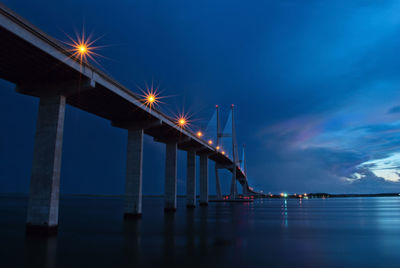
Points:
[(40, 66)]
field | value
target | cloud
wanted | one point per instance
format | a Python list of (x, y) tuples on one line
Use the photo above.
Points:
[(394, 110), (349, 148), (373, 184), (387, 168)]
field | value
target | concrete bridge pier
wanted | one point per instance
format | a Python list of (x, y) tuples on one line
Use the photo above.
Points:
[(203, 180), (217, 183), (191, 179), (170, 176), (134, 171), (134, 164), (244, 189), (43, 203), (233, 194)]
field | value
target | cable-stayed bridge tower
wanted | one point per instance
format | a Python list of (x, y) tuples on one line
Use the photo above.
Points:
[(226, 143)]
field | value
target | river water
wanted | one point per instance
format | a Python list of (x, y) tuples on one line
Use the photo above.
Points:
[(335, 232)]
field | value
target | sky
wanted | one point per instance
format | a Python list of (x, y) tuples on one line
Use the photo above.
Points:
[(315, 86)]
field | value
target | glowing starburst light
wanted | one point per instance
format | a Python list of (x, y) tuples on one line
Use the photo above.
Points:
[(82, 48), (150, 96), (150, 99), (183, 120)]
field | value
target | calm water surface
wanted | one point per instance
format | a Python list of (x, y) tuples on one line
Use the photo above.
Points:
[(345, 232)]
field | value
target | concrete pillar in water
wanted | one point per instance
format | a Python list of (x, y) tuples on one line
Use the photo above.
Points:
[(134, 171), (233, 194), (170, 176), (191, 179), (203, 180), (217, 183), (244, 189), (43, 203)]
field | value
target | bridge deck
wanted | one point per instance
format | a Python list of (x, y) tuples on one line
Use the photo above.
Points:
[(31, 59)]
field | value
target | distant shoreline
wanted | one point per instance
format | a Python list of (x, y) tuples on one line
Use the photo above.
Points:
[(319, 195), (327, 195)]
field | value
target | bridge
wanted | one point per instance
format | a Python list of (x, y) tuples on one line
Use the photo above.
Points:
[(41, 67)]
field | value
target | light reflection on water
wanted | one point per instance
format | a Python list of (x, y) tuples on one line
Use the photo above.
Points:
[(285, 213), (278, 232)]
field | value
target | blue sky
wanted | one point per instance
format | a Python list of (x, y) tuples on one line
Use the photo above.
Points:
[(315, 84)]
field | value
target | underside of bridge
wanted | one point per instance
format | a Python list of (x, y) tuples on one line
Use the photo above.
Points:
[(37, 73), (41, 67)]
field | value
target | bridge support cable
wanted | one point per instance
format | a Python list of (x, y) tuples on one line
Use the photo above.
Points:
[(243, 164), (217, 181), (225, 137), (227, 144), (211, 130), (243, 168)]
